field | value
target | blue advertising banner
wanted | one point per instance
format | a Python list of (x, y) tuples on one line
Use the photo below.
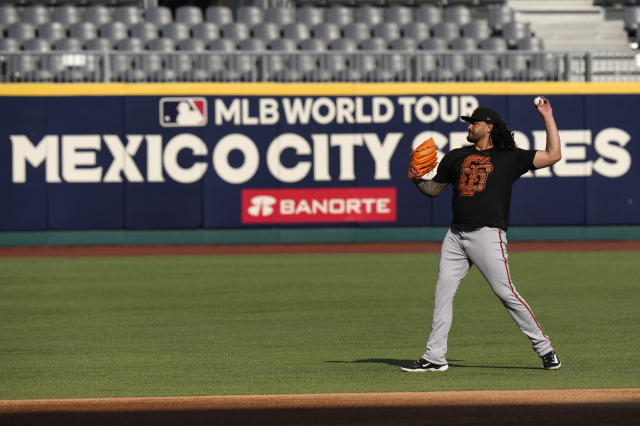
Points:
[(247, 160)]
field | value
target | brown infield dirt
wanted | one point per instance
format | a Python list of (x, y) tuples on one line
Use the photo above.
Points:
[(518, 407)]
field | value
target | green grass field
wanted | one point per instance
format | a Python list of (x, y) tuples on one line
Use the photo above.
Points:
[(216, 325)]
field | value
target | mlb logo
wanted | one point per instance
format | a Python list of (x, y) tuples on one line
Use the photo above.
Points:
[(183, 112)]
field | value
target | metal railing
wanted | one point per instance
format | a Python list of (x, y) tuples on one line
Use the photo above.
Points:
[(311, 66)]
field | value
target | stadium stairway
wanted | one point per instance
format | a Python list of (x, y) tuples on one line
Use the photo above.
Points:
[(572, 24)]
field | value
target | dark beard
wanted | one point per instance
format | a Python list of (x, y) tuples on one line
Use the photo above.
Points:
[(473, 141)]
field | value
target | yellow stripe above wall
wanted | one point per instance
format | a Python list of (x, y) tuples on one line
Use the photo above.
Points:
[(314, 89)]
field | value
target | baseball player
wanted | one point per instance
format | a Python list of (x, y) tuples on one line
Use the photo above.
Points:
[(482, 175)]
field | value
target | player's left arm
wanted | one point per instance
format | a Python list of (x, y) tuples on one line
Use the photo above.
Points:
[(551, 154)]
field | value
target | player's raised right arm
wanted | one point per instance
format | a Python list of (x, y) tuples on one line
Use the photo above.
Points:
[(429, 187), (551, 154)]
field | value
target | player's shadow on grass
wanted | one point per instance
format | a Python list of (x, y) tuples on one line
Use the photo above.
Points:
[(403, 362)]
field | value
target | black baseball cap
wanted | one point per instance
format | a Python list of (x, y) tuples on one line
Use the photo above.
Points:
[(485, 114)]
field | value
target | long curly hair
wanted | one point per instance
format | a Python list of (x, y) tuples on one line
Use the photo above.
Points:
[(502, 136)]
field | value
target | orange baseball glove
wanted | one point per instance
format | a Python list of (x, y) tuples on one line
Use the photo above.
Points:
[(423, 159)]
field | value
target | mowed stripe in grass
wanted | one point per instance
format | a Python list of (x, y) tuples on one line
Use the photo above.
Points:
[(223, 325)]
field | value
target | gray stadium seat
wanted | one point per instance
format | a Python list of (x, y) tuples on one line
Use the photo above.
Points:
[(192, 45), (212, 65), (98, 14), (418, 31), (427, 13), (21, 31), (494, 43), (51, 31), (66, 14), (35, 14), (310, 15), (478, 30), (219, 15), (548, 64), (334, 67), (463, 43), (176, 31), (184, 66), (296, 31), (313, 44), (434, 43), (8, 15), (386, 30), (153, 66), (303, 67), (250, 15), (98, 44), (392, 67), (130, 44), (370, 15), (518, 65), (9, 45), (280, 15), (24, 67), (459, 15), (127, 14), (144, 30), (364, 66), (357, 31), (340, 15), (266, 30), (68, 44), (401, 15), (344, 44), (113, 30), (488, 64), (283, 44), (205, 31), (236, 31), (457, 64), (530, 43), (252, 44), (326, 31), (120, 66), (36, 45), (631, 18), (404, 44), (426, 67), (83, 31), (241, 67), (161, 44), (446, 30), (375, 43), (189, 15), (222, 45), (514, 31), (499, 15), (158, 15)]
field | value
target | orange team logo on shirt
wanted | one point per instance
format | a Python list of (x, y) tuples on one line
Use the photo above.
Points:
[(473, 174)]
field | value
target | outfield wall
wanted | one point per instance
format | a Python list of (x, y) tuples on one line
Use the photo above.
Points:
[(259, 157)]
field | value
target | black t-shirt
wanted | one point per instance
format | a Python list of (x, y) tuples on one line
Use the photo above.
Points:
[(482, 183)]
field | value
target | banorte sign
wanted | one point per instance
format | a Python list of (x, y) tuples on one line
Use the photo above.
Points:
[(310, 205)]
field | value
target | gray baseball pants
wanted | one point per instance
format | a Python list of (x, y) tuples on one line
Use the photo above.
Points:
[(487, 249)]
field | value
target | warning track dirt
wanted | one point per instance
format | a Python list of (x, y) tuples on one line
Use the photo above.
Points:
[(554, 407)]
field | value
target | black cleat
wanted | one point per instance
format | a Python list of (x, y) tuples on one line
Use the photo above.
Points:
[(550, 361), (422, 365)]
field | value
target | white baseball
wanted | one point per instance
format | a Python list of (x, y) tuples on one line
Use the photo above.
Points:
[(538, 100)]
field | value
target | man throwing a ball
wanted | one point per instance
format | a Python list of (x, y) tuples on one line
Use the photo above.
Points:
[(482, 175)]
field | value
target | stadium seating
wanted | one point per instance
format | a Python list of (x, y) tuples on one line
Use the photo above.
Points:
[(323, 40)]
